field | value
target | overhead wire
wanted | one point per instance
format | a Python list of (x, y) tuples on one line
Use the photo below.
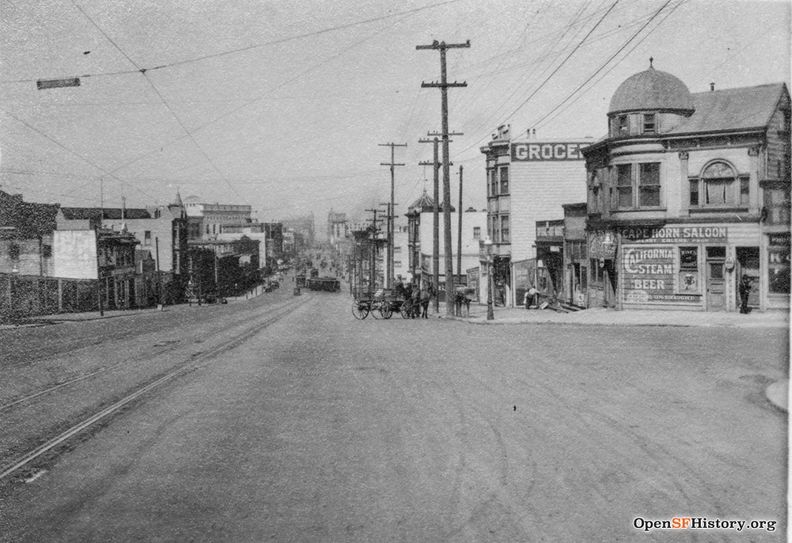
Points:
[(68, 150), (258, 98), (544, 82), (609, 70), (544, 59), (604, 64), (159, 94), (257, 45)]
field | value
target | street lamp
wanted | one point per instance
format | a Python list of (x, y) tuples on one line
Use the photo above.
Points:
[(488, 248)]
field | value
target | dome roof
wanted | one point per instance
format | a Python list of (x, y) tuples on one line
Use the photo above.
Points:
[(651, 90), (423, 203)]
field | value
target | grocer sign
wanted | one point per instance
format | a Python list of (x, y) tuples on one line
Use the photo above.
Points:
[(674, 234), (537, 151)]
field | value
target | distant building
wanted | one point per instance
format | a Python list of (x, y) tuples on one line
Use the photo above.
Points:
[(420, 240), (26, 236), (337, 228), (304, 227), (208, 220)]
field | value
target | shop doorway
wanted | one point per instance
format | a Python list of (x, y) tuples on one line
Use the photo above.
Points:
[(716, 281), (748, 264)]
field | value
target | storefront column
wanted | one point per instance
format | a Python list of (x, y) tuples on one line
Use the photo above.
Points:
[(753, 181), (684, 192)]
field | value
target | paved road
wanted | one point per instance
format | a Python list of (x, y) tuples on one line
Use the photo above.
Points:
[(323, 428)]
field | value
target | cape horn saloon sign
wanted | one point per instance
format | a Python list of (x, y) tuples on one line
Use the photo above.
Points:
[(675, 234), (537, 151)]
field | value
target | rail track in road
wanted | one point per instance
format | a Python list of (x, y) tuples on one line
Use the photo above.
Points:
[(193, 362)]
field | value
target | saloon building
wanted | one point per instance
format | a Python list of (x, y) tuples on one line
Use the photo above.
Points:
[(528, 180), (688, 193)]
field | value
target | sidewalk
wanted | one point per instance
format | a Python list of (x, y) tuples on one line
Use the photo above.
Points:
[(611, 317)]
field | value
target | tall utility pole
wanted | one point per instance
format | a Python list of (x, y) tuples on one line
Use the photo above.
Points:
[(435, 219), (373, 253), (391, 213), (459, 226), (443, 85)]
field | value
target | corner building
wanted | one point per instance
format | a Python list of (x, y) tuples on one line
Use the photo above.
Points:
[(688, 193), (528, 180)]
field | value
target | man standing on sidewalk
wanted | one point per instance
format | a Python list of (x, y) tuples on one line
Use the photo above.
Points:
[(744, 289)]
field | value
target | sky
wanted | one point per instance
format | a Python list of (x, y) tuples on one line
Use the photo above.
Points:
[(283, 105)]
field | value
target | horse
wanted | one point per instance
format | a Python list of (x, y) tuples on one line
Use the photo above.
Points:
[(462, 297), (425, 297)]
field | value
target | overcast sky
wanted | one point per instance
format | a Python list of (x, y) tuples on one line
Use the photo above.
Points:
[(281, 105)]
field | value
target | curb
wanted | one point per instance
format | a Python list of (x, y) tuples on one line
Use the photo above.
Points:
[(778, 394)]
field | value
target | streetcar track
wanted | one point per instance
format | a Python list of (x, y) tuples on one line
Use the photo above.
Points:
[(181, 369), (170, 345)]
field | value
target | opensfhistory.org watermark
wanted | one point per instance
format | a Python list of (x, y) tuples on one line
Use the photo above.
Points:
[(702, 523)]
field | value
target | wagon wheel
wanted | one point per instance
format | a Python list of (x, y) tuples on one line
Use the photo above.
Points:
[(376, 310), (386, 310), (360, 310), (405, 311)]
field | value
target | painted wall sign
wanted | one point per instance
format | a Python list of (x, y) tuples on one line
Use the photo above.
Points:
[(675, 234), (537, 151), (650, 275)]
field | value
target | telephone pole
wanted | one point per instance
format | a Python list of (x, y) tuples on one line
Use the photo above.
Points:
[(459, 226), (373, 253), (391, 212), (443, 85), (435, 220)]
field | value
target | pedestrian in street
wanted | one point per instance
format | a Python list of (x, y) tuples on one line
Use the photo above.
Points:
[(744, 288)]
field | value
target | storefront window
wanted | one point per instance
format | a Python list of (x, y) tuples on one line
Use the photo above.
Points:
[(688, 270), (778, 264), (596, 272)]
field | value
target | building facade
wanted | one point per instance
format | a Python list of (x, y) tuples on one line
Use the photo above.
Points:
[(528, 180), (688, 193)]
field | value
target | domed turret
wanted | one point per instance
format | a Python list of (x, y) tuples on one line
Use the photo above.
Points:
[(652, 90)]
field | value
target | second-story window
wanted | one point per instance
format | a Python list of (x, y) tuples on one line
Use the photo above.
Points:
[(476, 232), (504, 180), (147, 237), (624, 186), (649, 123), (504, 228), (719, 186), (493, 182), (649, 185)]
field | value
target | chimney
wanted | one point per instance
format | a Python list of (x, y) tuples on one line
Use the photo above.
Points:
[(712, 86)]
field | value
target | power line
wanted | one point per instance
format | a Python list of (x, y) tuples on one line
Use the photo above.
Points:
[(623, 46), (547, 118), (544, 82), (257, 45), (71, 152), (254, 100), (159, 94)]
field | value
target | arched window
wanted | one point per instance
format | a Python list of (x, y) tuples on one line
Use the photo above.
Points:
[(719, 186)]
